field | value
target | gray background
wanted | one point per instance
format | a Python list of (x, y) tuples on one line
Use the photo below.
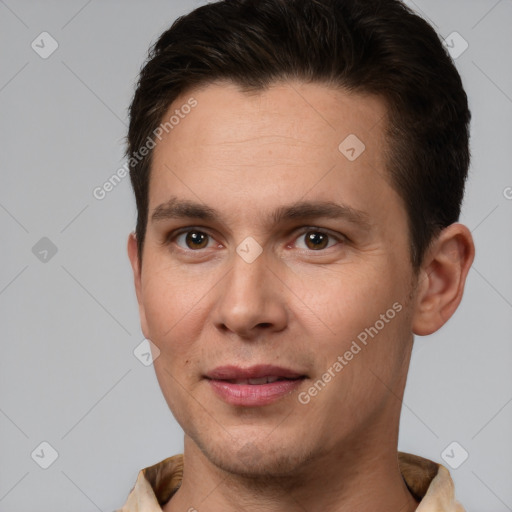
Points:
[(68, 373)]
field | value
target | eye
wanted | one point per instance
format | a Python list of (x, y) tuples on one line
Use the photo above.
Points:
[(316, 239), (193, 239)]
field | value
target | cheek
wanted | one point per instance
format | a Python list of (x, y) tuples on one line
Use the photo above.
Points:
[(347, 300), (360, 316), (174, 308)]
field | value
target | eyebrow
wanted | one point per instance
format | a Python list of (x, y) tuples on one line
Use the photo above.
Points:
[(186, 209)]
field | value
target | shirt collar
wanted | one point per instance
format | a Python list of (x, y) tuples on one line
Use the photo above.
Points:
[(426, 480)]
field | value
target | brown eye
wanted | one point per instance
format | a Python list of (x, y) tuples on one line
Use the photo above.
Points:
[(193, 239), (196, 240), (316, 240)]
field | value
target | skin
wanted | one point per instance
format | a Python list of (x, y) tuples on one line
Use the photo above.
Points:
[(296, 305)]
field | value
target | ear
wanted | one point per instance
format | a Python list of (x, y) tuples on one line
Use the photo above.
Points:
[(442, 278), (134, 260)]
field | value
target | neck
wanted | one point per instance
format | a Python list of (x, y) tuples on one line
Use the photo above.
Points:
[(364, 477)]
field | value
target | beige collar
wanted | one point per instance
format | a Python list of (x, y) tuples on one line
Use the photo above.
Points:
[(427, 481)]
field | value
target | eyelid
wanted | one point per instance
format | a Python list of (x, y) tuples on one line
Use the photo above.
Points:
[(171, 237), (316, 229), (325, 231), (179, 231)]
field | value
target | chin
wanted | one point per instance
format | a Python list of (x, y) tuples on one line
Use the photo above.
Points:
[(258, 461)]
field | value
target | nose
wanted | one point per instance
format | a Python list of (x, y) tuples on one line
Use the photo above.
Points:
[(251, 299)]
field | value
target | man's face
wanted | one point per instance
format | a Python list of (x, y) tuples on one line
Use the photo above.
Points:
[(268, 168)]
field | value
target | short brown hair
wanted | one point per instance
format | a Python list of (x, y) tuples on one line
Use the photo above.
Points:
[(378, 47)]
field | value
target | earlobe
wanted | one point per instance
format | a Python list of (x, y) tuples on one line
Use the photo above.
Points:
[(442, 279), (137, 279)]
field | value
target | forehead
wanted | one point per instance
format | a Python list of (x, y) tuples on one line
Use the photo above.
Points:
[(311, 113), (290, 140)]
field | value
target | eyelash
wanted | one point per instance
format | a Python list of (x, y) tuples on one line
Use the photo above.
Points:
[(175, 234)]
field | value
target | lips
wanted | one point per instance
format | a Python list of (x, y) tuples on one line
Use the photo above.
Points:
[(260, 371), (260, 380), (254, 386)]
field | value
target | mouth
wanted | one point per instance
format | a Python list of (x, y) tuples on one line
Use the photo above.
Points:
[(253, 373), (261, 380), (254, 386)]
